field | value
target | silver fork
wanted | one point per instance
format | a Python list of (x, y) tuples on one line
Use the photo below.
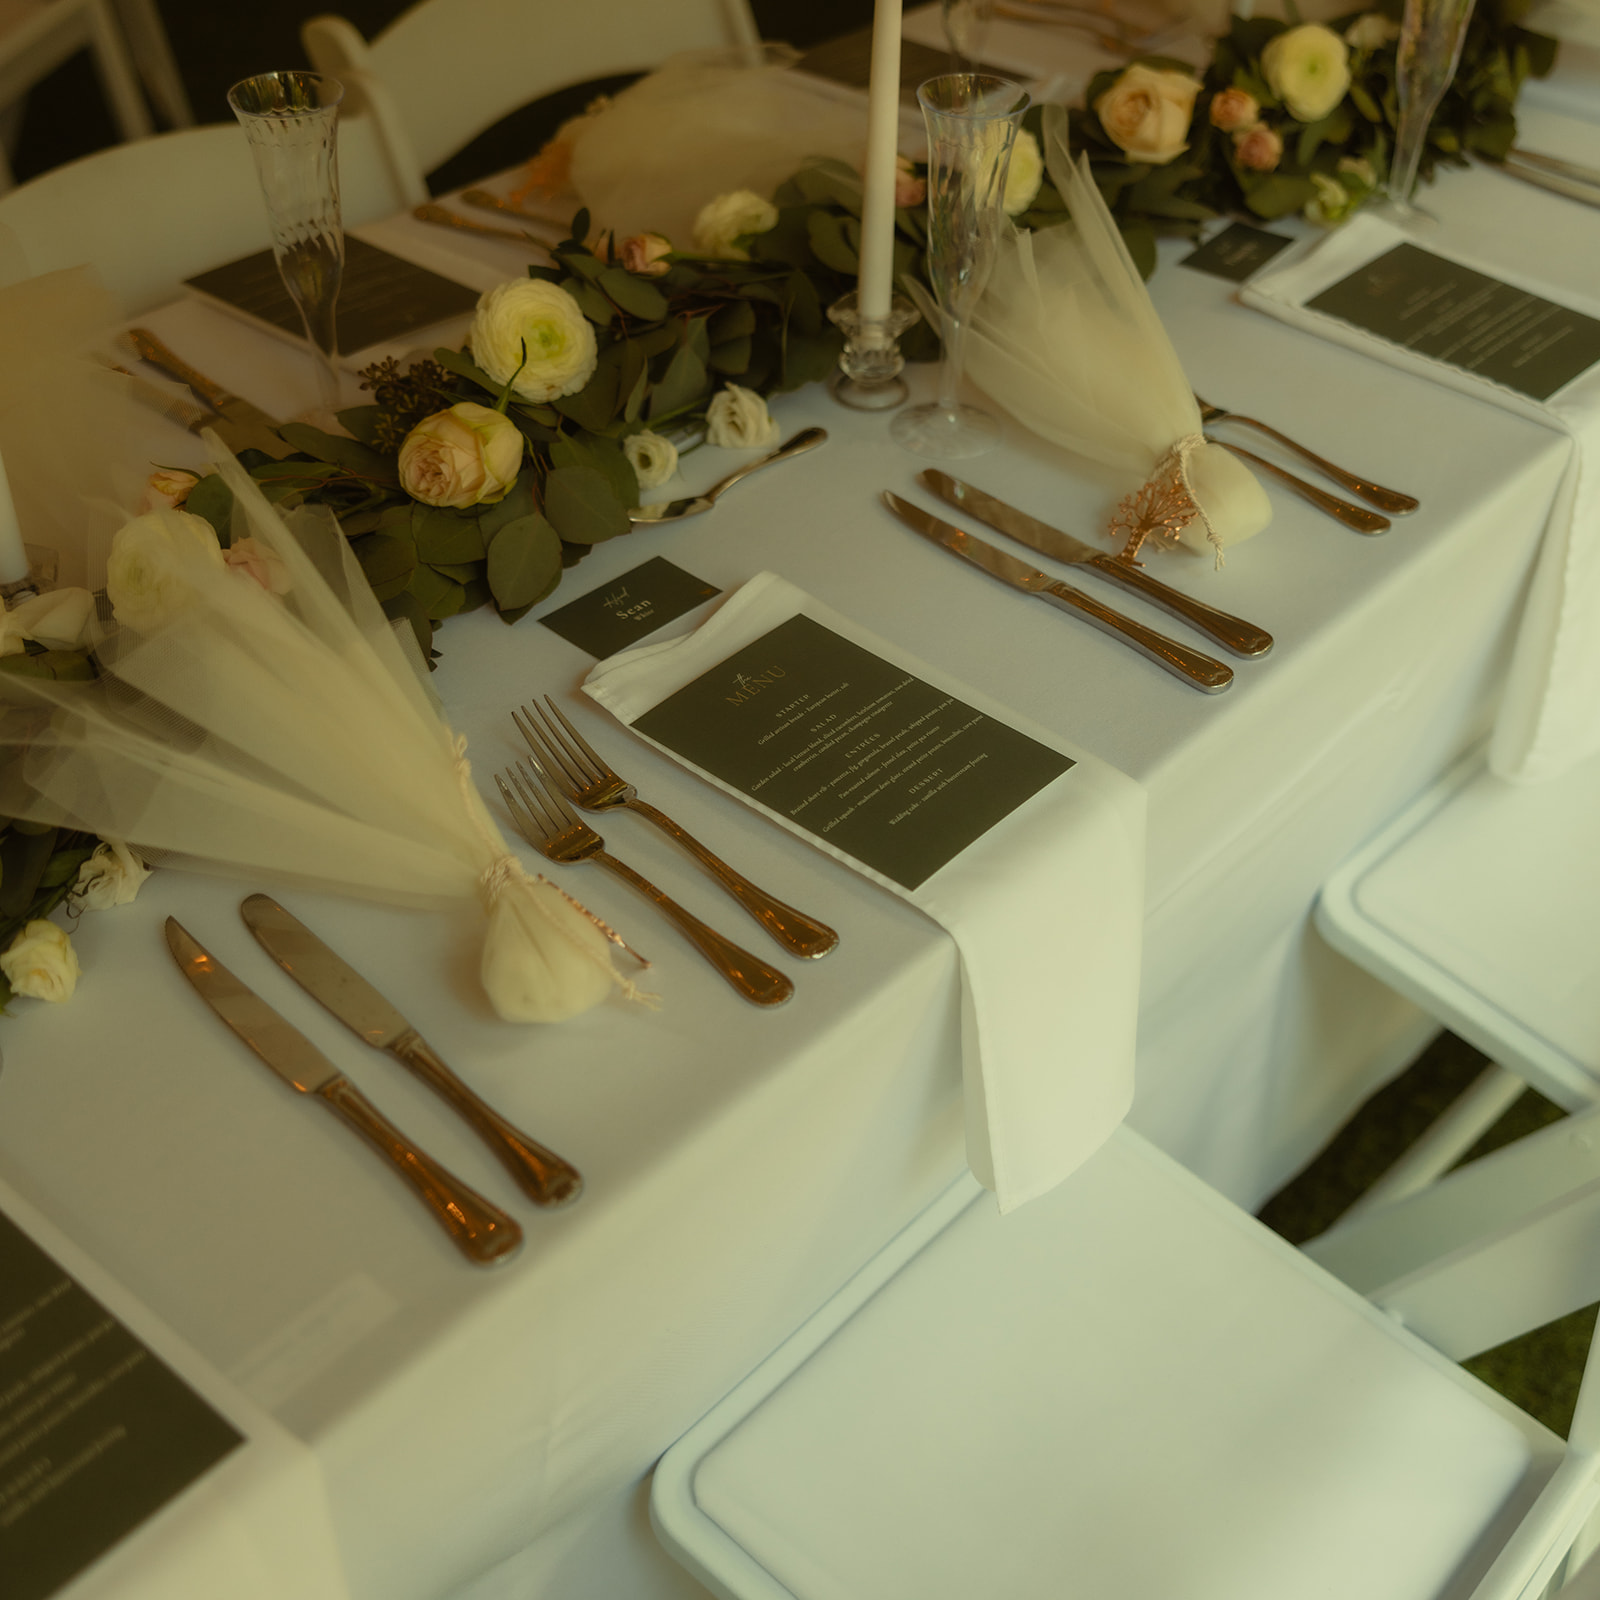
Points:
[(1390, 500), (554, 829), (568, 761)]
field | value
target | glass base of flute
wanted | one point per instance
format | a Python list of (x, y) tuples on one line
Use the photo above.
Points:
[(946, 426), (290, 119), (869, 378)]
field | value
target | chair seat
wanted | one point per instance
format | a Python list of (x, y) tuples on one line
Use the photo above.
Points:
[(1482, 902), (1129, 1390)]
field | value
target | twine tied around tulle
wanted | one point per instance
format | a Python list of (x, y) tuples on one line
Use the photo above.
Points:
[(1163, 505), (504, 870)]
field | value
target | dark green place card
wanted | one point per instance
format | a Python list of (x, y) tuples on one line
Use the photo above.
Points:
[(96, 1434), (1236, 252), (1441, 309), (622, 612), (383, 299), (853, 749)]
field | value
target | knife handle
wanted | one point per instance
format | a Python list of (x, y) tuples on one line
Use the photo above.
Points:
[(483, 1233), (151, 349), (541, 1174), (1203, 671), (1232, 633)]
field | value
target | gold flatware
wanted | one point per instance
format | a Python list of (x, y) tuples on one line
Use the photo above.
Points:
[(485, 201), (442, 217), (693, 505), (1352, 516), (569, 762), (326, 976), (556, 831), (240, 425), (1390, 500)]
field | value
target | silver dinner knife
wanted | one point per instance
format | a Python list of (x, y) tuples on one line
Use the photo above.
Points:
[(541, 1174), (1232, 633), (482, 1232), (1206, 674)]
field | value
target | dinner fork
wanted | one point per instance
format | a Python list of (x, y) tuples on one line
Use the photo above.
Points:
[(554, 829), (571, 763), (1352, 516), (1390, 500)]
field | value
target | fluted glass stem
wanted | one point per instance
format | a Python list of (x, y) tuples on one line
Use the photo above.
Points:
[(1432, 33)]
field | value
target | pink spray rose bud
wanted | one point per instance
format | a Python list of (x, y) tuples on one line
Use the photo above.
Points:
[(645, 254), (909, 189), (167, 489), (1259, 148), (1233, 110)]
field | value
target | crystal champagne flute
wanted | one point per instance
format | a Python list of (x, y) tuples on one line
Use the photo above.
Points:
[(1432, 33), (290, 119)]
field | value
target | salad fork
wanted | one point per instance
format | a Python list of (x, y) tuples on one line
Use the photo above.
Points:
[(556, 831), (571, 764)]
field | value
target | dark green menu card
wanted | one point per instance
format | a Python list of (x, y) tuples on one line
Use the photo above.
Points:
[(622, 612), (853, 749), (1439, 308), (96, 1434)]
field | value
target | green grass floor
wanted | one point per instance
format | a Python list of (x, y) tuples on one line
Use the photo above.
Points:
[(1539, 1371)]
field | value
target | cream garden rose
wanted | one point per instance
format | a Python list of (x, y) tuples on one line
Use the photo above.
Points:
[(1146, 112), (41, 962), (111, 877), (469, 455), (727, 219), (653, 458), (1234, 109), (152, 561), (537, 327), (1025, 174), (1308, 68), (738, 419)]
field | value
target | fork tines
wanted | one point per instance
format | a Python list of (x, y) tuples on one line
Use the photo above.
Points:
[(559, 750), (539, 812)]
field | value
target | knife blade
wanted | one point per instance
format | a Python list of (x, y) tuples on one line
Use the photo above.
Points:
[(1232, 633), (481, 1231), (1204, 672), (243, 426), (327, 977)]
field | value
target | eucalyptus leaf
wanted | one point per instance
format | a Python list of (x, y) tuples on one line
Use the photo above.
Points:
[(829, 245), (524, 556), (583, 507), (599, 400), (438, 595), (442, 535), (387, 560), (351, 454), (212, 499), (362, 421), (637, 296), (683, 383), (23, 859), (491, 519)]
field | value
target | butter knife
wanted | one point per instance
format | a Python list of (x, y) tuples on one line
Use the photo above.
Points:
[(1205, 673), (327, 977), (243, 427), (1232, 633), (483, 1233)]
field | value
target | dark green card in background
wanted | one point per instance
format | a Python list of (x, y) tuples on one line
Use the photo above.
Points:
[(96, 1434), (622, 612), (853, 749)]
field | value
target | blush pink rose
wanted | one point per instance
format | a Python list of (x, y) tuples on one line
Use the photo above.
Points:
[(1259, 148), (255, 560), (909, 189), (1233, 110), (646, 253)]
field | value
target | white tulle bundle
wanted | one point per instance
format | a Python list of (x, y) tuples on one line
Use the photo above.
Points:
[(706, 124), (1066, 340), (258, 716)]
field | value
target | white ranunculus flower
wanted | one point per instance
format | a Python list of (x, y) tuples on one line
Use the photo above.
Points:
[(152, 560), (727, 219), (112, 876), (41, 962), (1147, 111), (653, 458), (1308, 69), (541, 320), (738, 419), (1025, 175)]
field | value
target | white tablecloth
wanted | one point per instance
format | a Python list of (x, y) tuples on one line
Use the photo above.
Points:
[(740, 1164)]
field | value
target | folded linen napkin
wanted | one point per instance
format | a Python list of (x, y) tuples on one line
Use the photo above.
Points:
[(1549, 718), (1046, 910)]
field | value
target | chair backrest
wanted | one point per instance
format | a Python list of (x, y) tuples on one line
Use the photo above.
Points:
[(150, 214), (445, 70)]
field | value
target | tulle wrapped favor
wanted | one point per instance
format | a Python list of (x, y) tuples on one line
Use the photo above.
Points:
[(286, 736), (1066, 340)]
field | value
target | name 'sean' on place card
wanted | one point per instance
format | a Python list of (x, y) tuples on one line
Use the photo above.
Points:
[(883, 767)]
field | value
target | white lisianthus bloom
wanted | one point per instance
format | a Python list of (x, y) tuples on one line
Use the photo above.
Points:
[(1371, 31), (727, 219), (542, 321), (41, 962), (1147, 111), (1308, 69), (145, 572), (112, 876), (58, 619), (1025, 175), (653, 458), (738, 419), (1332, 203), (469, 455)]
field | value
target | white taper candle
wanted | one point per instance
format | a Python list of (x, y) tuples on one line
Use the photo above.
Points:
[(13, 558), (876, 282)]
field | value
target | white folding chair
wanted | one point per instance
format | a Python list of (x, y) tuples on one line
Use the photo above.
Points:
[(445, 70), (1127, 1389), (149, 215)]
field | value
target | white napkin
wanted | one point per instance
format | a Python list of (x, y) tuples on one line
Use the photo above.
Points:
[(1046, 910), (1549, 719)]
